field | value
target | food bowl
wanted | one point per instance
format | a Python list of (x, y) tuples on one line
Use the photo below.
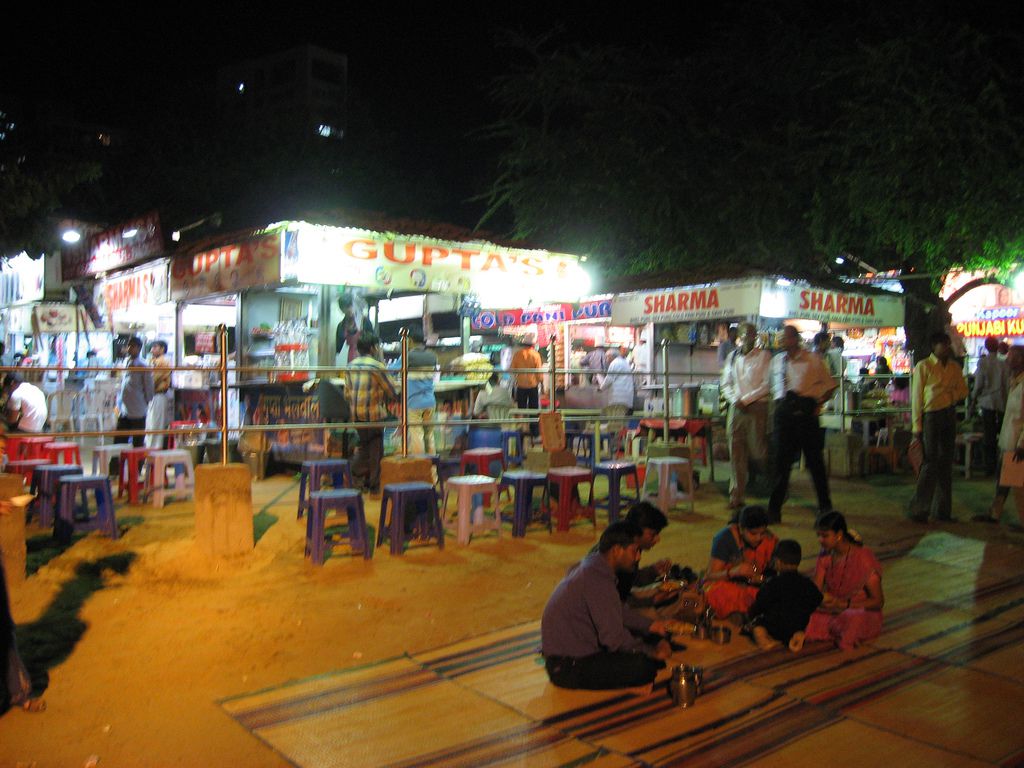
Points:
[(721, 634)]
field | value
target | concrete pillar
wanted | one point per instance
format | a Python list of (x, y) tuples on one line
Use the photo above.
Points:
[(224, 511), (12, 531)]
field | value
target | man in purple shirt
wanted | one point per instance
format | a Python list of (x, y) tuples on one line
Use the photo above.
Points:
[(589, 638)]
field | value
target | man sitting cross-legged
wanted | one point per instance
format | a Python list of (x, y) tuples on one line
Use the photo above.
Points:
[(589, 638)]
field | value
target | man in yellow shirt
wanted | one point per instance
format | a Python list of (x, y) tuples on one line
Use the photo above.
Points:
[(939, 385), (527, 384)]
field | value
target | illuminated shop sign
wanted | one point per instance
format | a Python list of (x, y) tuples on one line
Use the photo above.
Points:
[(980, 329), (497, 275), (490, 319), (999, 313)]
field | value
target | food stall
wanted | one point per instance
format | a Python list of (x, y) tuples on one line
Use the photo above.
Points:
[(280, 292)]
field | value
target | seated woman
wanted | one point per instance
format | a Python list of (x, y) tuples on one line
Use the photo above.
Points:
[(740, 555), (850, 578)]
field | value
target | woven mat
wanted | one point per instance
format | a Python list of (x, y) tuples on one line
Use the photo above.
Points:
[(943, 685)]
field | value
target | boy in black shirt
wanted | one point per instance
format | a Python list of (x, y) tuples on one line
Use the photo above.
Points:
[(785, 603)]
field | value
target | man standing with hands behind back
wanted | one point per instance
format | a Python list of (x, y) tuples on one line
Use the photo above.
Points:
[(939, 385), (746, 386), (800, 385)]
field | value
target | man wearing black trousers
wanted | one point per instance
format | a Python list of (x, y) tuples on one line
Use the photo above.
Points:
[(800, 384)]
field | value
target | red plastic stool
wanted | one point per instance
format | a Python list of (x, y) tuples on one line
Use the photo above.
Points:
[(63, 453), (31, 447), (566, 479), (172, 440), (129, 475), (25, 468), (479, 460)]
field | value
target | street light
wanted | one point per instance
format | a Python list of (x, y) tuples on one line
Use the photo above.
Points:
[(71, 236)]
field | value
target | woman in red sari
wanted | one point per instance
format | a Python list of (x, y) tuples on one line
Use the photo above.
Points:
[(850, 578), (740, 555)]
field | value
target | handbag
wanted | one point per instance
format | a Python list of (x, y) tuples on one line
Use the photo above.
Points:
[(1011, 475)]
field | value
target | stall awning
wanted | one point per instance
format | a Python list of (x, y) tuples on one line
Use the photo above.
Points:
[(759, 297), (497, 275)]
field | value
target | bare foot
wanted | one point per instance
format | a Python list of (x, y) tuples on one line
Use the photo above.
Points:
[(765, 641), (796, 642), (34, 705)]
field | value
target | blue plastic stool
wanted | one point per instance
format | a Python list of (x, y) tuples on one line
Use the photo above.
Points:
[(45, 484), (616, 470), (312, 474), (68, 515), (524, 483), (345, 500), (404, 498), (512, 438)]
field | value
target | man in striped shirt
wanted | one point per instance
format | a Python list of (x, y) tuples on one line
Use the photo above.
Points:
[(369, 394)]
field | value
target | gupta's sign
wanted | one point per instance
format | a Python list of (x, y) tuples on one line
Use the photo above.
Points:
[(230, 268), (499, 276)]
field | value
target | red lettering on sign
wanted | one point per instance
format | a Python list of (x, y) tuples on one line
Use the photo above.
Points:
[(366, 250), (432, 253), (494, 261)]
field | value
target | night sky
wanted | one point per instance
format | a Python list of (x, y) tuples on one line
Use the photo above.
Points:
[(426, 73)]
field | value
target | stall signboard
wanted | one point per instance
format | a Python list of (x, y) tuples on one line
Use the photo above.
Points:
[(696, 302), (143, 287), (999, 327), (786, 300), (274, 406), (497, 275), (60, 318), (21, 280), (248, 264), (493, 319), (128, 243)]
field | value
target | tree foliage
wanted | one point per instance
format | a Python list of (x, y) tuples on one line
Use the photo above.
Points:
[(789, 134)]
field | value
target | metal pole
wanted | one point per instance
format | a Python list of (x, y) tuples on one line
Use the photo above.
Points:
[(405, 391), (664, 388), (552, 364), (223, 332)]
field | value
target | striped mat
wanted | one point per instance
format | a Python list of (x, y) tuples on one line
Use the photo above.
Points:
[(943, 685)]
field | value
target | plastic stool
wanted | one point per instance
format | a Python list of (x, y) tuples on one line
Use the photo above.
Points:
[(512, 439), (68, 521), (32, 447), (524, 483), (471, 519), (663, 470), (567, 479), (129, 474), (25, 468), (616, 470), (172, 440), (345, 500), (102, 454), (402, 496), (157, 464), (63, 453), (312, 474), (46, 486), (480, 459)]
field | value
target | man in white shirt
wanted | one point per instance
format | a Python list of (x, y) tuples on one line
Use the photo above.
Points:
[(800, 384), (991, 384), (619, 379), (26, 405), (746, 387)]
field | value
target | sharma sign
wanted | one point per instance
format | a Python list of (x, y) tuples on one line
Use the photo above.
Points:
[(697, 302), (811, 303)]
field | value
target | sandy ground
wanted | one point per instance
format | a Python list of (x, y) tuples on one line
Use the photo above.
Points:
[(142, 637)]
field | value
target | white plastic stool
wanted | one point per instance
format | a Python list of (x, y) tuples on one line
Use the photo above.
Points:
[(102, 454), (469, 486), (665, 468), (157, 464)]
